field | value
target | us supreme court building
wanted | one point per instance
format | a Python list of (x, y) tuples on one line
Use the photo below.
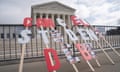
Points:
[(52, 10)]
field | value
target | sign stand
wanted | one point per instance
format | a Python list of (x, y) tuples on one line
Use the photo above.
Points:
[(86, 42), (42, 23), (78, 22), (24, 40), (22, 58), (73, 38), (52, 28), (101, 36)]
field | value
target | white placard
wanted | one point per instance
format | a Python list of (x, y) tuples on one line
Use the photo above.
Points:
[(44, 36), (83, 34), (25, 38), (92, 34), (61, 22), (71, 35)]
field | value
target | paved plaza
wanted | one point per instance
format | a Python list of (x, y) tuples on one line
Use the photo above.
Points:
[(40, 66)]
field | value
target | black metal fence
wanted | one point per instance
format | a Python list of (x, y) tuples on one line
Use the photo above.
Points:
[(10, 49)]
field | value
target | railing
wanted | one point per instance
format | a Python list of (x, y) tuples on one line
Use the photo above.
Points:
[(11, 50)]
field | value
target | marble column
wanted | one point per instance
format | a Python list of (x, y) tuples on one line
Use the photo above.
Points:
[(52, 17), (41, 15), (46, 15), (69, 21), (65, 35), (69, 26), (34, 18)]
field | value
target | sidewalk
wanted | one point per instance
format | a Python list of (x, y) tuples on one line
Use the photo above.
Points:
[(106, 66)]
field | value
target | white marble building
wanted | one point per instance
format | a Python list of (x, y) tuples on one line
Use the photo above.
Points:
[(52, 10)]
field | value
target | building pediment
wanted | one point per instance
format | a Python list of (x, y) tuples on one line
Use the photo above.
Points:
[(52, 7)]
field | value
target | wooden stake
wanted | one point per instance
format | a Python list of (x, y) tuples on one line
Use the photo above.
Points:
[(22, 58), (111, 46), (97, 62), (109, 58), (75, 68), (90, 66)]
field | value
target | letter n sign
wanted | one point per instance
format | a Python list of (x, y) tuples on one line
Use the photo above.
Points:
[(77, 21), (45, 22)]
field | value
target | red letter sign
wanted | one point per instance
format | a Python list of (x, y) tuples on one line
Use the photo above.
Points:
[(45, 22), (27, 22), (84, 52), (48, 61), (77, 21), (39, 22), (48, 22)]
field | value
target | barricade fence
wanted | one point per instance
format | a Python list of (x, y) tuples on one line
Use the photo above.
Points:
[(10, 49)]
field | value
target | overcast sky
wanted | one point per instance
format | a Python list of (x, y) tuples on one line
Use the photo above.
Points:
[(100, 12)]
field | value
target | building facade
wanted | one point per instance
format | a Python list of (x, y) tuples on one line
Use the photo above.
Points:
[(52, 10)]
